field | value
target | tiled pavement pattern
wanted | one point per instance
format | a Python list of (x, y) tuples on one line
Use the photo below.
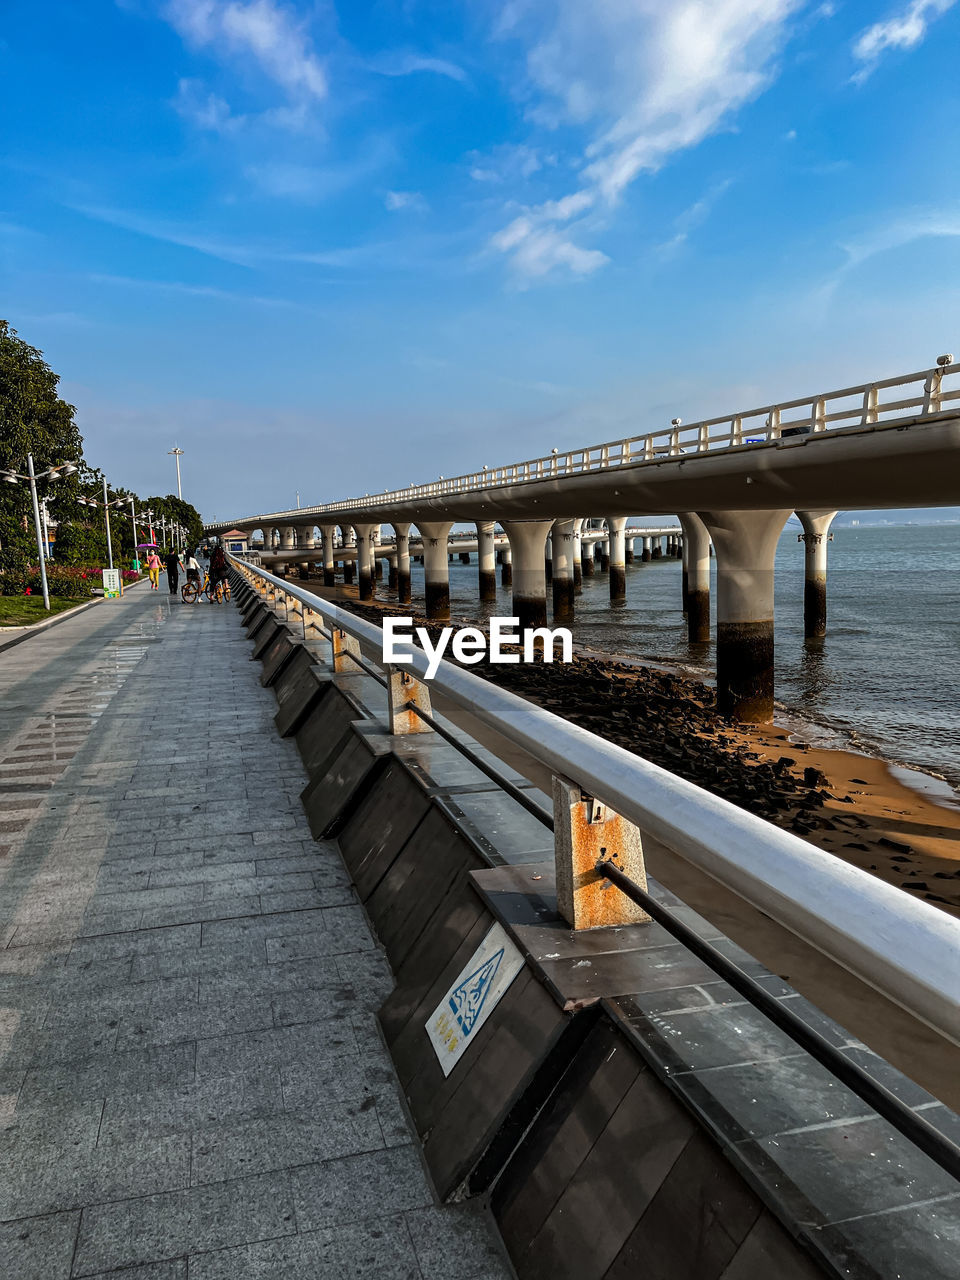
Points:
[(191, 1082)]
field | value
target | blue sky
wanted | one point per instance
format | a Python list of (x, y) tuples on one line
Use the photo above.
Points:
[(337, 247)]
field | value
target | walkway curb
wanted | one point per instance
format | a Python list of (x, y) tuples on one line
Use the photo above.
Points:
[(39, 627)]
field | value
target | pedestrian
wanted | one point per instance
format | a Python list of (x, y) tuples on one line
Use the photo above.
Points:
[(193, 568), (153, 569), (173, 571), (218, 566)]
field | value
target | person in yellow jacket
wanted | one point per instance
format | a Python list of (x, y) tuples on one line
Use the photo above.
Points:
[(153, 569)]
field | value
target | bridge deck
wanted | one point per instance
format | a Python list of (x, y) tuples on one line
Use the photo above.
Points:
[(191, 1081)]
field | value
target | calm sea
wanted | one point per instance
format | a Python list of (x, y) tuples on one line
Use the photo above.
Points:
[(885, 680)]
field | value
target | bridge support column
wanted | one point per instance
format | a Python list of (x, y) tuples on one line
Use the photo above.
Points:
[(528, 538), (587, 553), (402, 534), (696, 577), (349, 539), (506, 565), (603, 552), (678, 546), (577, 556), (329, 564), (816, 531), (487, 560), (436, 567), (548, 560), (617, 559), (657, 548), (306, 537), (365, 561), (288, 538), (746, 543), (565, 545), (392, 571), (647, 553), (628, 552)]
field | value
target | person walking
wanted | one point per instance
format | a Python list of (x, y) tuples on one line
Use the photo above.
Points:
[(218, 566), (153, 569), (173, 571)]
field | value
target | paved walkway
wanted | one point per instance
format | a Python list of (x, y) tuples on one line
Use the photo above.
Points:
[(191, 1082)]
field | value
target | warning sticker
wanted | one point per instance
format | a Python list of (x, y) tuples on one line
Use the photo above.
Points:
[(474, 995)]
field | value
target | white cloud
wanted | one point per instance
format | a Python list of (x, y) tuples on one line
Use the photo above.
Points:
[(919, 224), (507, 163), (395, 200), (261, 30), (902, 31), (536, 251), (645, 80), (204, 109), (407, 63)]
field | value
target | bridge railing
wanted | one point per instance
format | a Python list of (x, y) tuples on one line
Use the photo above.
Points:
[(904, 948), (921, 394)]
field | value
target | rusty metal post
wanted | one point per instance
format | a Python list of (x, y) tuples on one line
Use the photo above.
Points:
[(585, 832), (345, 648), (405, 690)]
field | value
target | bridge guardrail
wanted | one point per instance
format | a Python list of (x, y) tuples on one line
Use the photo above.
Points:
[(904, 948), (850, 407)]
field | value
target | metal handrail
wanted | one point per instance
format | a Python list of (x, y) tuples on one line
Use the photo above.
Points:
[(904, 948), (764, 426)]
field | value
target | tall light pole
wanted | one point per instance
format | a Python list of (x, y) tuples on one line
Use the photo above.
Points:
[(178, 454), (51, 473), (106, 516)]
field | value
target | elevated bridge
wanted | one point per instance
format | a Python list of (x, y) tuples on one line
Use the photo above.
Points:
[(731, 480)]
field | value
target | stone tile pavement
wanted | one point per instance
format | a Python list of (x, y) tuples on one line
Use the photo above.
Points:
[(192, 1086)]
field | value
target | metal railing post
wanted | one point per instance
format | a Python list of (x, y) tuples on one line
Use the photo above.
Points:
[(586, 832), (404, 692)]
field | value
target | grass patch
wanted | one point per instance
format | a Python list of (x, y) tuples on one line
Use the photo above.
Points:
[(24, 611)]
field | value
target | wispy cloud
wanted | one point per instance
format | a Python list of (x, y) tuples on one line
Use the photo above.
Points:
[(508, 163), (200, 291), (918, 224), (170, 233), (646, 80), (412, 200), (901, 31), (405, 62), (692, 217), (267, 33)]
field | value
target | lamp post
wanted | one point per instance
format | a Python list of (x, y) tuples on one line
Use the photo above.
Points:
[(106, 516), (51, 473), (178, 454)]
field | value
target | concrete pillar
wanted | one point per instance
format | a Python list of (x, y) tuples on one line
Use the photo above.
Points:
[(565, 556), (745, 543), (364, 561), (647, 552), (548, 560), (392, 571), (486, 560), (616, 559), (603, 552), (528, 539), (696, 577), (436, 567), (816, 528), (577, 556), (402, 534), (464, 557), (657, 548), (306, 537), (289, 537), (628, 551), (329, 564), (506, 566), (678, 546), (587, 552)]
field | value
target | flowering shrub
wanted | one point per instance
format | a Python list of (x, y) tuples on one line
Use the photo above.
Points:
[(76, 582)]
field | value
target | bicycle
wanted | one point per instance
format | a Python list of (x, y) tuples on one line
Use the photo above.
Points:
[(191, 591)]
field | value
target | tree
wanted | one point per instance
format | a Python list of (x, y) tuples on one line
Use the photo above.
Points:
[(33, 419)]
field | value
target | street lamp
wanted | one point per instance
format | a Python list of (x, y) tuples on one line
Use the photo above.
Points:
[(51, 473), (178, 454)]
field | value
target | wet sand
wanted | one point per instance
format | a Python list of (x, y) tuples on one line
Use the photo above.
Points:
[(848, 804)]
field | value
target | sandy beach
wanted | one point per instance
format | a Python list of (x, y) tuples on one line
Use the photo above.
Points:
[(849, 804)]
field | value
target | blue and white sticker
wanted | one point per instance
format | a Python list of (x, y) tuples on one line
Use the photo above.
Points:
[(476, 992)]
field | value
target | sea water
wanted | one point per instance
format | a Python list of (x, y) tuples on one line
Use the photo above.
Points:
[(886, 679)]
